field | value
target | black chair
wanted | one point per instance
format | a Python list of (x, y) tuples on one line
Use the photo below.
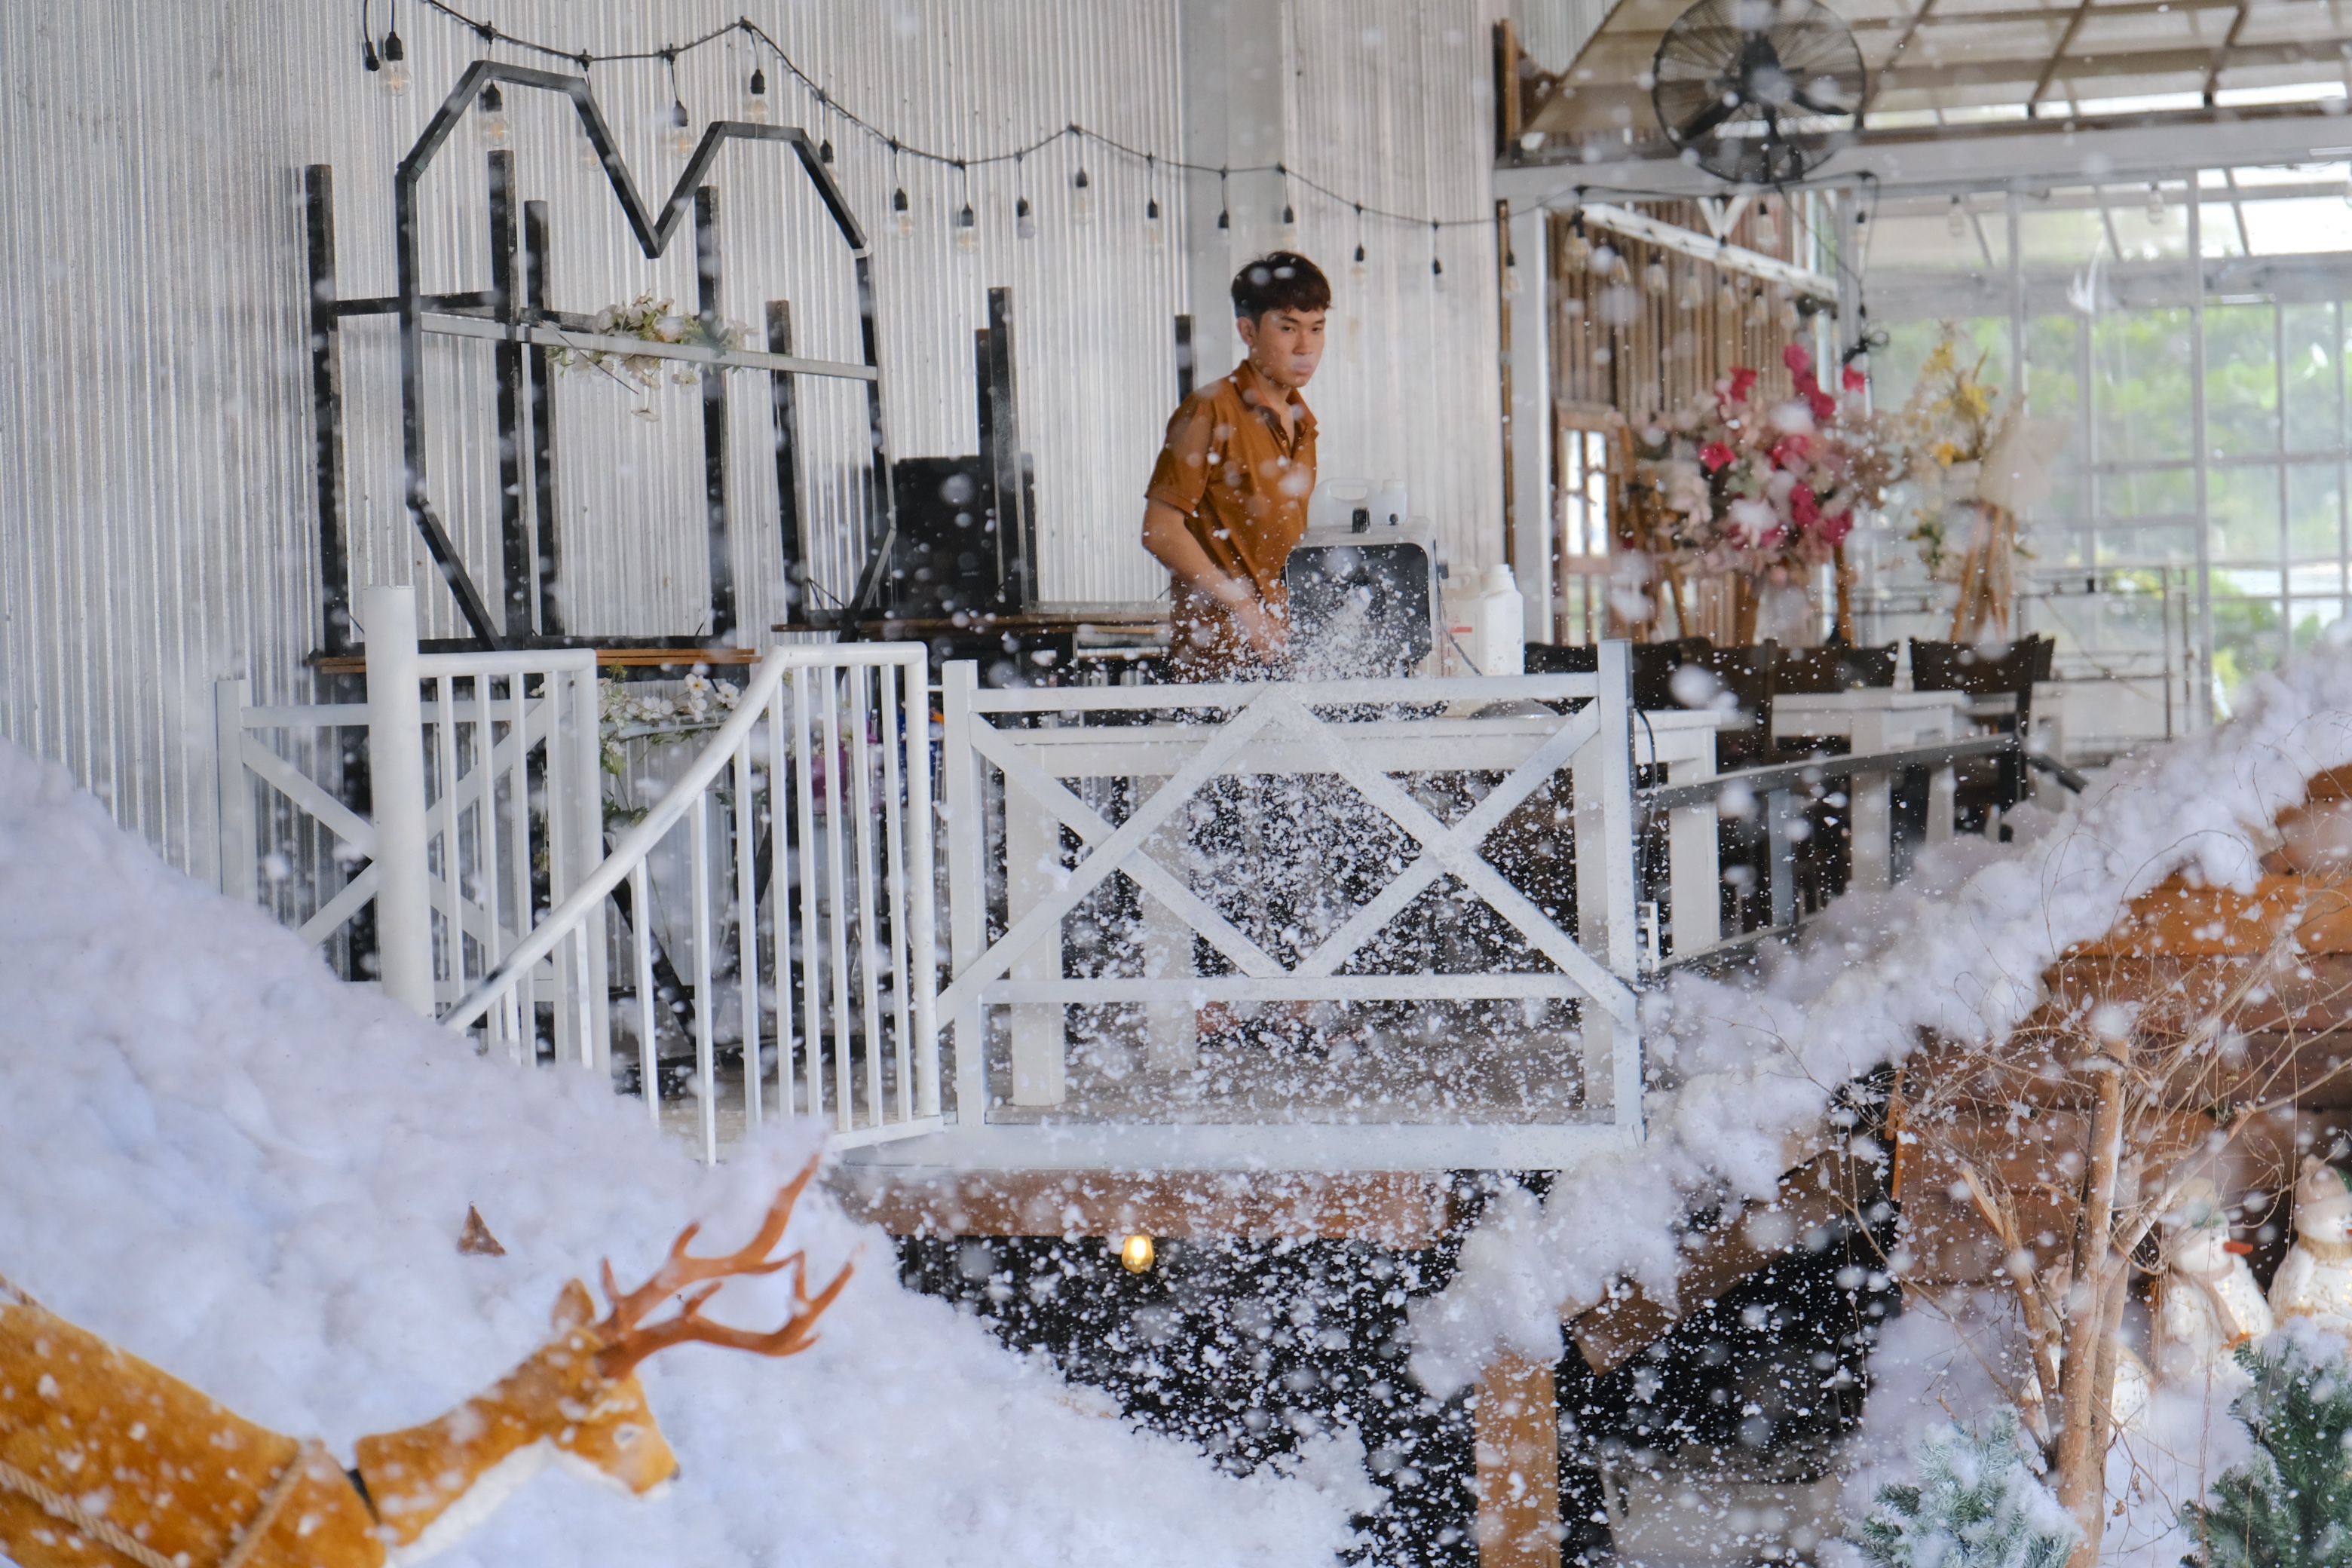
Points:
[(1563, 659), (1988, 671), (1814, 670)]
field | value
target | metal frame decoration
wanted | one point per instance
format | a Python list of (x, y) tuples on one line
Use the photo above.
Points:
[(523, 326)]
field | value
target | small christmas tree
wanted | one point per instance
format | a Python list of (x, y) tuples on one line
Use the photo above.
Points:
[(1979, 1504), (2290, 1506)]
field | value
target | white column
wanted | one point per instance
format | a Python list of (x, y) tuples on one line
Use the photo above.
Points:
[(1531, 423), (1032, 864), (1171, 1034), (403, 921), (1694, 854), (238, 879)]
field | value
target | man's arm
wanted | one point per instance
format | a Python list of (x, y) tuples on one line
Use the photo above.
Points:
[(1166, 535)]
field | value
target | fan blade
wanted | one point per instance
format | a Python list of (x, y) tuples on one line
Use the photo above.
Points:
[(1805, 101), (1715, 114)]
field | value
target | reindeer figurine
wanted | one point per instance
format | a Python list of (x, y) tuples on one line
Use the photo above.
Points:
[(106, 1461)]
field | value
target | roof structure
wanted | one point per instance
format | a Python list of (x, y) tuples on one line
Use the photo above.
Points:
[(1939, 64)]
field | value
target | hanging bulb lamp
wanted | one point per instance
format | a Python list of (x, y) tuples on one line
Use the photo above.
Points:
[(681, 129), (1654, 279), (1082, 198), (1956, 222), (2155, 202), (755, 107), (904, 213), (1580, 249), (496, 129), (967, 234), (395, 65), (1024, 222), (1152, 235)]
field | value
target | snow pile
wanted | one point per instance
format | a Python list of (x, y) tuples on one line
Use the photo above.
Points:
[(224, 1161), (1959, 949)]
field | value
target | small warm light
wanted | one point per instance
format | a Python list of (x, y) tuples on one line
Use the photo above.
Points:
[(1361, 268), (1580, 249), (2155, 202), (395, 65), (755, 106), (967, 233), (1956, 222), (1024, 222), (681, 130), (1654, 279), (497, 130), (903, 214), (1082, 198), (1135, 1253)]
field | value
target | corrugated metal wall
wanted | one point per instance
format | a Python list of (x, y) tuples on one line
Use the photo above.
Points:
[(157, 530), (1552, 31)]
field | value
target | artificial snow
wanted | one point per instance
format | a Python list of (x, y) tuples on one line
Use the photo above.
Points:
[(224, 1159), (1747, 1069)]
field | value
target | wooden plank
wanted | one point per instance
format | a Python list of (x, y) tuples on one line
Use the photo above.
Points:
[(1515, 1425), (2179, 919), (1388, 1208), (610, 658)]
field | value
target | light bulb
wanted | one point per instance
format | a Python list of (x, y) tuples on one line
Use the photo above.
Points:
[(1654, 279), (2155, 202), (1359, 269), (1437, 274), (967, 234), (496, 129), (1956, 222), (1082, 198), (1768, 227), (1286, 237), (906, 215), (1511, 284), (681, 131), (755, 108), (1724, 299), (1152, 233), (1580, 249), (1689, 297), (1224, 220), (1758, 311), (395, 65), (1024, 222), (1135, 1254), (1620, 273)]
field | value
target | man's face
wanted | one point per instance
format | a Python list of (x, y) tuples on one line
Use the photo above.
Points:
[(1284, 345)]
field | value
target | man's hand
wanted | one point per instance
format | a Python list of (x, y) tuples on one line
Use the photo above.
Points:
[(1264, 636), (1166, 537)]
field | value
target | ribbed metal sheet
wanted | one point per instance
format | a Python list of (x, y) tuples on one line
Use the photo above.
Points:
[(1552, 31), (157, 528)]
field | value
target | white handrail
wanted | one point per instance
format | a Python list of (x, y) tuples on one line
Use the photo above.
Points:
[(633, 846)]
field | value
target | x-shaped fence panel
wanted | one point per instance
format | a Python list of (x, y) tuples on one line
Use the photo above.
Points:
[(1156, 767)]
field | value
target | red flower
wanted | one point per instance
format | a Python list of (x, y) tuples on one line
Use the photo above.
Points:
[(1716, 455), (1833, 530), (1823, 405), (1743, 382), (1800, 362), (1789, 449), (1854, 380), (1805, 509)]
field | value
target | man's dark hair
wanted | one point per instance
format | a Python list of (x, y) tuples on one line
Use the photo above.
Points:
[(1284, 281)]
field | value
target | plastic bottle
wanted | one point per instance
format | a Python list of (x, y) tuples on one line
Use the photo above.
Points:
[(1497, 640)]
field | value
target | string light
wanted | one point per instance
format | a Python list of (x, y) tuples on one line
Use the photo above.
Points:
[(368, 60), (1359, 269), (967, 232), (1286, 237), (496, 129), (1690, 294), (1768, 227), (898, 204), (1151, 232), (1082, 197), (755, 107), (1135, 1254), (2155, 202), (1956, 222), (1511, 284), (1224, 207), (1580, 249), (681, 128), (1725, 301), (1655, 279), (396, 55), (1436, 264)]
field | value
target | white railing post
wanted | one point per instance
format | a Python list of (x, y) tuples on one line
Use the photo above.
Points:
[(404, 922), (1602, 773), (237, 865), (960, 799)]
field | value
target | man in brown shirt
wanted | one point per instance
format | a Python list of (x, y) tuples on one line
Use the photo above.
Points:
[(1228, 497)]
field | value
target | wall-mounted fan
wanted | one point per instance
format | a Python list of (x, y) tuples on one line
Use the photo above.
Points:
[(1757, 91)]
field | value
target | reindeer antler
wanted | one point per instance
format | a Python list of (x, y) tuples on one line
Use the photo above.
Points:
[(628, 1344)]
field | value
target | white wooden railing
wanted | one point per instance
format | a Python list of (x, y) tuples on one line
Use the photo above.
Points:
[(803, 834)]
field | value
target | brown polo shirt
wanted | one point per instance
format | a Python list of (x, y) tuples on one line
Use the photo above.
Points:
[(1242, 487)]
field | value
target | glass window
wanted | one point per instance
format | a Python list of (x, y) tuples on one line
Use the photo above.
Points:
[(2242, 508), (2310, 365), (2141, 399), (2314, 511), (2241, 410)]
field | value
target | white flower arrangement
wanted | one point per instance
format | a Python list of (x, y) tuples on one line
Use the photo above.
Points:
[(627, 713), (654, 321)]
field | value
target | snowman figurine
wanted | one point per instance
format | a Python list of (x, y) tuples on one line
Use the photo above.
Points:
[(2316, 1281), (2206, 1303)]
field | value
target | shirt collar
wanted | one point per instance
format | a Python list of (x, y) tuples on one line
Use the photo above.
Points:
[(1249, 380)]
